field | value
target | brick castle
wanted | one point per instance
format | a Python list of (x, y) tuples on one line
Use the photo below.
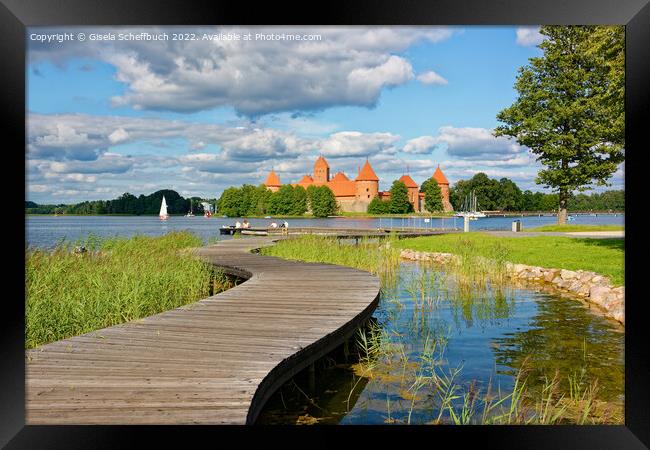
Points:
[(355, 195)]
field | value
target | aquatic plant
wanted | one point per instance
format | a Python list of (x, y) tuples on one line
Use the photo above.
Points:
[(380, 259), (114, 281), (402, 351)]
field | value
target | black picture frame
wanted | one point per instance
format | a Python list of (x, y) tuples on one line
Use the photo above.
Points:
[(16, 15)]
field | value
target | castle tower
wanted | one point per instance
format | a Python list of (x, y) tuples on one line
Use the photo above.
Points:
[(444, 188), (273, 182), (413, 191), (367, 184), (321, 171)]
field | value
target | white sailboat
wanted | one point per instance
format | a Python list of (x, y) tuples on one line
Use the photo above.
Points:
[(190, 214), (163, 210), (470, 208)]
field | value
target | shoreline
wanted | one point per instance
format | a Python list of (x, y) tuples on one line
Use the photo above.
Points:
[(590, 287)]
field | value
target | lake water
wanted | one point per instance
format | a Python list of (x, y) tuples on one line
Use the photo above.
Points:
[(45, 231), (485, 336)]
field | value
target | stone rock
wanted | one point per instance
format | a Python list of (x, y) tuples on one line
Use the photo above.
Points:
[(618, 313), (575, 286), (550, 274), (586, 276), (520, 268), (562, 284), (598, 294), (568, 274)]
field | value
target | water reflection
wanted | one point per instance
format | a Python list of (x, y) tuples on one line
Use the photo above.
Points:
[(436, 348)]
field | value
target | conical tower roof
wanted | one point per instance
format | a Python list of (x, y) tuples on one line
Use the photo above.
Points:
[(408, 181), (440, 177), (272, 180), (366, 173)]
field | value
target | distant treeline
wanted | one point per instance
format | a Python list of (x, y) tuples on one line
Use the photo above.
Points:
[(505, 195), (250, 200), (125, 204)]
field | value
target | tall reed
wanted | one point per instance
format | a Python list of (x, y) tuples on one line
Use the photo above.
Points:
[(114, 281)]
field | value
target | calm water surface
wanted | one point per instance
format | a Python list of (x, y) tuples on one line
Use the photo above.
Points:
[(486, 337), (45, 231)]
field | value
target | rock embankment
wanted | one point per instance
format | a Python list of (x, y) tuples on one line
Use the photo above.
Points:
[(589, 286)]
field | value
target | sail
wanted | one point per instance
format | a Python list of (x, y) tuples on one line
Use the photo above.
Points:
[(163, 208)]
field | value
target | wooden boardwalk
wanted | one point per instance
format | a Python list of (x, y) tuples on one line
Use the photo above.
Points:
[(216, 361)]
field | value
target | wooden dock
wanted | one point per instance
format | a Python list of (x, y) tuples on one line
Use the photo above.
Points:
[(216, 361), (342, 233)]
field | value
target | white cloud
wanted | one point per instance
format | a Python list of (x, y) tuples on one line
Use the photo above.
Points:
[(354, 143), (527, 36), (431, 77), (348, 66), (261, 144), (420, 145), (118, 135), (106, 163), (476, 143)]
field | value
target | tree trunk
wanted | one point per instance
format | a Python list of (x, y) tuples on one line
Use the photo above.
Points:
[(562, 214)]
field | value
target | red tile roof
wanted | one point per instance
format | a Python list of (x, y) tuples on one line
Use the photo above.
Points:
[(408, 181), (366, 173), (343, 188), (340, 176), (272, 180), (306, 180), (440, 177)]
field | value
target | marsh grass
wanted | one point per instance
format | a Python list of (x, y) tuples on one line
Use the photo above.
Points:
[(380, 259), (426, 383), (409, 363), (116, 280)]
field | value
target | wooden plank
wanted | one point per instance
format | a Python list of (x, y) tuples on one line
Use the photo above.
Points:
[(212, 362)]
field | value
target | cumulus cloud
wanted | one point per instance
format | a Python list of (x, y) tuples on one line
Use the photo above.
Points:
[(527, 36), (355, 143), (118, 135), (106, 163), (420, 145), (431, 77), (475, 143), (261, 144), (347, 66)]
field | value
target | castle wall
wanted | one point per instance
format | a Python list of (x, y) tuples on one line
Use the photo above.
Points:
[(414, 198), (351, 204)]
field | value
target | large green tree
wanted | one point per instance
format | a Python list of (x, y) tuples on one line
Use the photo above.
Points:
[(399, 199), (322, 201), (230, 202), (569, 111), (378, 206), (510, 196), (432, 195)]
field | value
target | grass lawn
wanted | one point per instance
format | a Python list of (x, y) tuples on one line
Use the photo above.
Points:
[(573, 228), (116, 281), (604, 256)]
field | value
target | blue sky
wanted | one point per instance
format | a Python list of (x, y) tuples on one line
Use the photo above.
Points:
[(108, 117)]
